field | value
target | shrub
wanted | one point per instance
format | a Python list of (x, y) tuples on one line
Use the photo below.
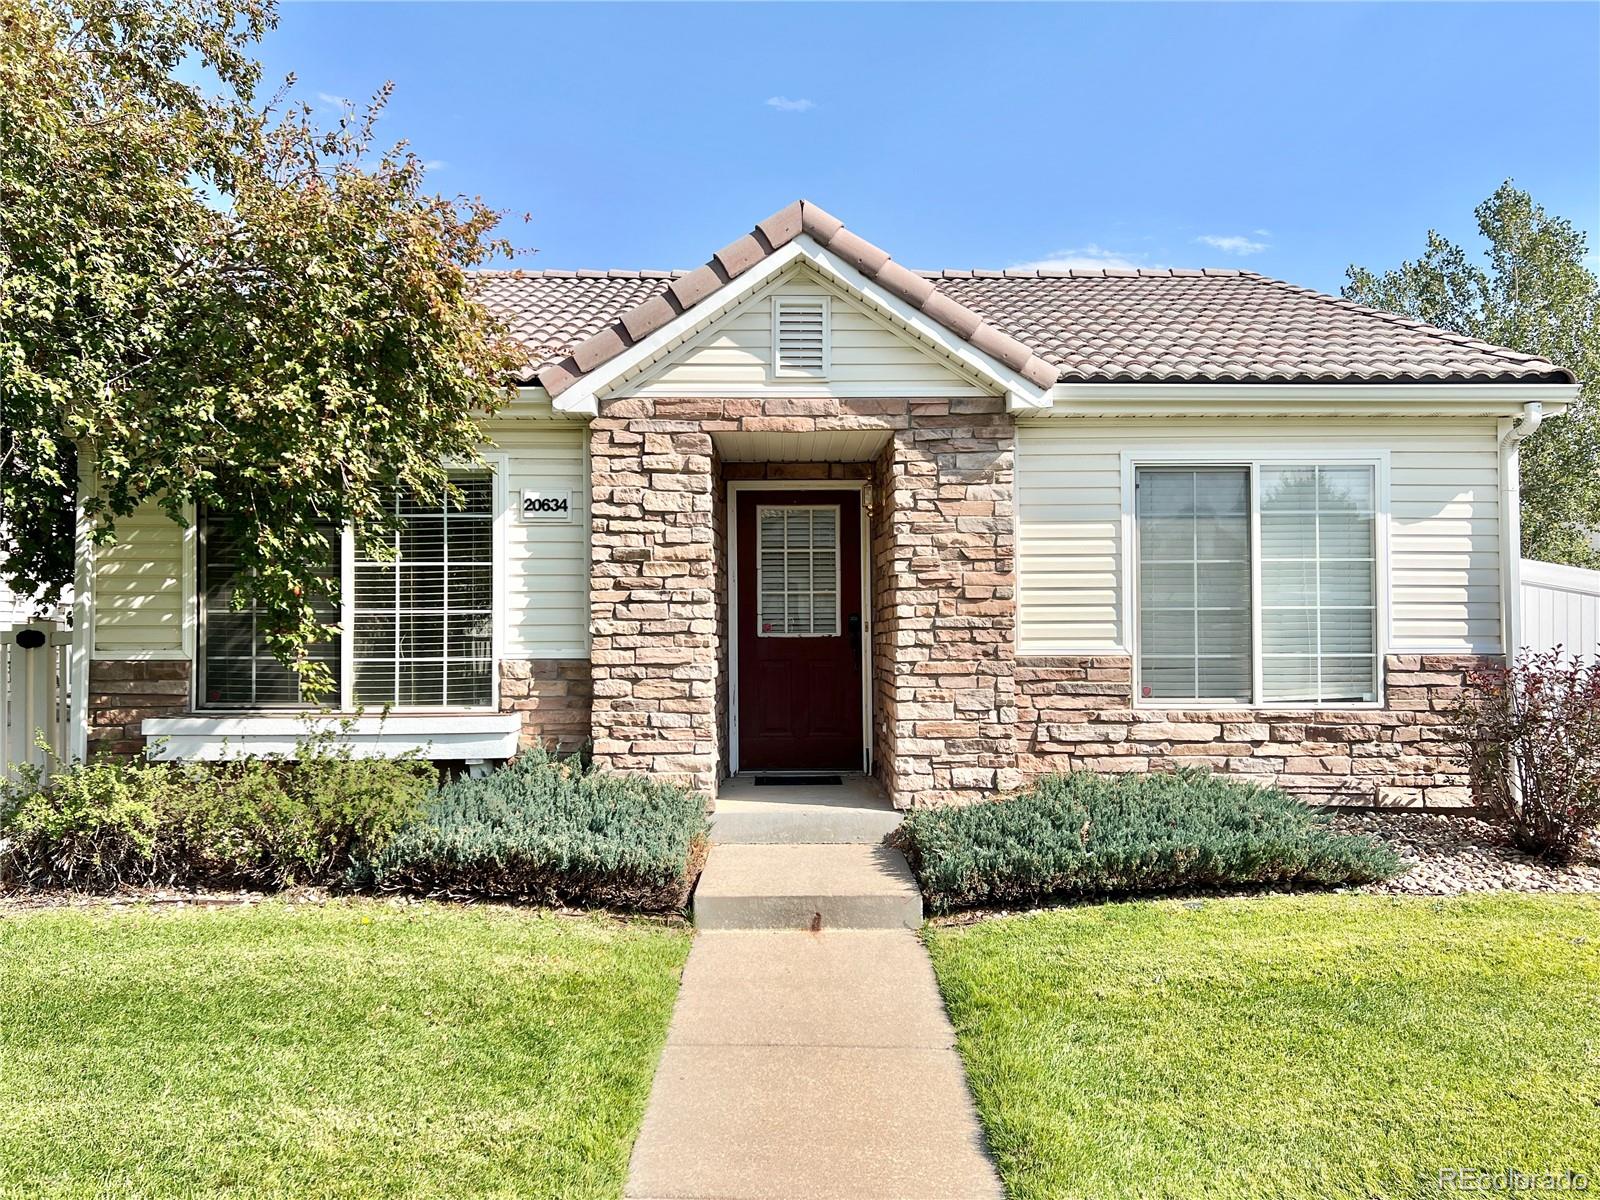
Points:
[(96, 826), (552, 830), (1532, 738), (268, 822), (1083, 834)]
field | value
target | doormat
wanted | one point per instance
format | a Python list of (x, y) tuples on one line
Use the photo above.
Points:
[(798, 780)]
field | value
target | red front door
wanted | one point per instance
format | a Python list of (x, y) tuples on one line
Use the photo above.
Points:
[(800, 630)]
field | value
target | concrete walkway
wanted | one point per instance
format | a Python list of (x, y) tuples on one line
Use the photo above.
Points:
[(810, 1065)]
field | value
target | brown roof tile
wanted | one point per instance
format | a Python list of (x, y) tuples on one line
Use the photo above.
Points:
[(1078, 325)]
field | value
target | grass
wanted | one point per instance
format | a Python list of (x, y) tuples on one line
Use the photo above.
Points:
[(358, 1049), (1335, 1046)]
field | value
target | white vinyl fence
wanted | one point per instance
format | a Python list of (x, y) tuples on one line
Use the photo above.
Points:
[(33, 693), (1561, 607)]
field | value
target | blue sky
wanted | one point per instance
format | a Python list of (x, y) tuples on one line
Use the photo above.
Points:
[(1291, 139)]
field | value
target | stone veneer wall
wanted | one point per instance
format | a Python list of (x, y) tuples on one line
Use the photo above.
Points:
[(1077, 712), (721, 575), (653, 606), (885, 628), (124, 692), (656, 641), (947, 564), (554, 697)]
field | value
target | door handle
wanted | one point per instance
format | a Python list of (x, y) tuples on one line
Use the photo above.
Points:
[(853, 624)]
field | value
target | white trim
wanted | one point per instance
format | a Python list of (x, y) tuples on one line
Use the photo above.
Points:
[(159, 655), (439, 735), (799, 279), (82, 647), (799, 388), (583, 396), (1250, 399), (1510, 510), (347, 619), (189, 582), (1253, 458), (499, 571), (859, 486)]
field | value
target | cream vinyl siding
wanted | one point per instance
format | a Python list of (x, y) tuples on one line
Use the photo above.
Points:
[(866, 351), (545, 591), (1444, 568), (138, 590)]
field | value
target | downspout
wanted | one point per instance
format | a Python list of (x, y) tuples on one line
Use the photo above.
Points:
[(1512, 433)]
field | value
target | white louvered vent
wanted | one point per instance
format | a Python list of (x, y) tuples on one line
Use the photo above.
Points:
[(800, 339)]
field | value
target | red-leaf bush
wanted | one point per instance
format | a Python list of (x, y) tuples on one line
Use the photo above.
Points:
[(1531, 733)]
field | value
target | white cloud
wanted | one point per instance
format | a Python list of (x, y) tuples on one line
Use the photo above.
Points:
[(434, 164), (336, 103), (1233, 243), (1082, 258), (784, 104)]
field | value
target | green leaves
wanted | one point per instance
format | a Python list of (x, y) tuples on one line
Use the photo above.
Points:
[(1082, 834), (213, 304), (1534, 292), (555, 831)]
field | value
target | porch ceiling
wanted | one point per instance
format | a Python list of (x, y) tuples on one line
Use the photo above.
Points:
[(830, 445)]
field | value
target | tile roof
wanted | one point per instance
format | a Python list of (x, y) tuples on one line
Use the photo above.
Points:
[(1079, 326)]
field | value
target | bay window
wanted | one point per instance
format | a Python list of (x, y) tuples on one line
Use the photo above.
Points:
[(1256, 583), (417, 632)]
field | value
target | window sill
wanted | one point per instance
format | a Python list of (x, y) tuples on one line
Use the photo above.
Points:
[(1247, 706), (452, 736)]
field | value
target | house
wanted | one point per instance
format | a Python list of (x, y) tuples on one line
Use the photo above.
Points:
[(805, 509)]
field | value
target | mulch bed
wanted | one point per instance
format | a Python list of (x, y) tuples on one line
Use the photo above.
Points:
[(1456, 855)]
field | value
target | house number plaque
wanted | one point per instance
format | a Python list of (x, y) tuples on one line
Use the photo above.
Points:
[(545, 508)]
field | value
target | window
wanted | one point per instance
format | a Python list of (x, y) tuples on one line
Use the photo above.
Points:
[(1194, 582), (1319, 612), (800, 337), (238, 671), (1257, 583), (421, 631), (423, 624), (797, 570)]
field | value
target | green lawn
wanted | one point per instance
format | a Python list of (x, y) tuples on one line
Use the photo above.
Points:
[(359, 1049), (1327, 1046)]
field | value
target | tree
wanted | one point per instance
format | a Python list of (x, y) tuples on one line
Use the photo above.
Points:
[(1537, 295), (219, 303)]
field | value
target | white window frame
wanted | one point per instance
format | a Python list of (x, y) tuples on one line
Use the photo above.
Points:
[(838, 580), (1253, 460), (197, 628), (785, 300), (496, 467)]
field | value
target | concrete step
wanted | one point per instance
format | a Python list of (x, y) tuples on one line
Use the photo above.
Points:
[(853, 812), (807, 887), (761, 822)]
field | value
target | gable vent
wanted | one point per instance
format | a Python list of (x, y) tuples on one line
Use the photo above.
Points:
[(800, 338)]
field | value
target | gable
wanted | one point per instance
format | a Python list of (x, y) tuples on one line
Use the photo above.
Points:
[(867, 352)]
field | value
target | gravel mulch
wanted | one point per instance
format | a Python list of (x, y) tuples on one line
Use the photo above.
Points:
[(1455, 855)]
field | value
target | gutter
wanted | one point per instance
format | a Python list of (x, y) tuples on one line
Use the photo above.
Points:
[(1512, 433)]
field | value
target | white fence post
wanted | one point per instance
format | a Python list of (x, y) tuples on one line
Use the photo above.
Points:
[(1560, 607), (33, 694)]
